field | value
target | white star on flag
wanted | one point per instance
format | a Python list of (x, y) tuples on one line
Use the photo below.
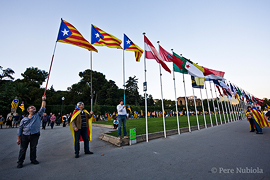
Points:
[(97, 35), (65, 32), (128, 41)]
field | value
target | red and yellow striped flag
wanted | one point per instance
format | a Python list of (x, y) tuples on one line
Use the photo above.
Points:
[(69, 34), (14, 103), (101, 38), (22, 106)]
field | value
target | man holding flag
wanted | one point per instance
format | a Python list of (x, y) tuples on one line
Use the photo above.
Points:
[(81, 128), (29, 132)]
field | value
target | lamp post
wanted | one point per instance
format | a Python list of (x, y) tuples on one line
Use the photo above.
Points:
[(63, 98)]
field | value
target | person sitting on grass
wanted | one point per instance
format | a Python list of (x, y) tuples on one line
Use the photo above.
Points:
[(115, 123)]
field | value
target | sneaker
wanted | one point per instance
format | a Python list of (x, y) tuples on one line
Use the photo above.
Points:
[(119, 137), (20, 165), (259, 133), (34, 162), (89, 152), (77, 156), (126, 137)]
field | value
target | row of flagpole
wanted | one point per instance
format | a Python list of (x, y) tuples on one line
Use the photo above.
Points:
[(231, 110)]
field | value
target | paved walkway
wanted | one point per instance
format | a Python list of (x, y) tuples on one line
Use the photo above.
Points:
[(212, 153)]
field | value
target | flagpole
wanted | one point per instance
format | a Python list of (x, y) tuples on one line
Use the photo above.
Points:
[(203, 109), (213, 103), (221, 105), (50, 69), (176, 100), (145, 96), (91, 79), (230, 102), (229, 109), (234, 115), (198, 124), (186, 103), (209, 110), (233, 108), (237, 110), (226, 107), (163, 115), (217, 103), (124, 81)]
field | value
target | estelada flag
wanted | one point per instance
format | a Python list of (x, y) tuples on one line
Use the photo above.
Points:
[(259, 117), (15, 103), (22, 106), (130, 46), (101, 38), (69, 34), (76, 112)]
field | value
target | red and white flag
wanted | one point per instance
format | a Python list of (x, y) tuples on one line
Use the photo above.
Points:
[(151, 53)]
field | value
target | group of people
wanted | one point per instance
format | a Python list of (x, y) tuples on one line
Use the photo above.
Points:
[(80, 125), (12, 120), (51, 119), (257, 119)]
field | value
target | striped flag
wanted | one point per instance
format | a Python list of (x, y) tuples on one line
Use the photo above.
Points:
[(22, 106), (14, 103), (101, 38), (130, 46), (69, 34)]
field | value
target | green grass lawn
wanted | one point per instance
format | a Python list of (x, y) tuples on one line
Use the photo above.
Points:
[(156, 124)]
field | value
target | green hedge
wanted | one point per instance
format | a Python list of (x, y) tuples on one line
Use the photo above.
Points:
[(102, 109)]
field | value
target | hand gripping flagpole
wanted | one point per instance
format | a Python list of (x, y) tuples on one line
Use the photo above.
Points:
[(189, 129), (213, 104), (196, 109), (203, 109), (209, 110), (176, 101), (50, 70), (163, 114), (145, 95)]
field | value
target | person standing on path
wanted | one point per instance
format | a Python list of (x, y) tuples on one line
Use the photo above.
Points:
[(81, 128), (122, 118), (29, 132), (2, 119), (44, 119), (52, 120)]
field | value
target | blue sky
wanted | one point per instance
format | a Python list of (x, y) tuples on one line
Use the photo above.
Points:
[(231, 36)]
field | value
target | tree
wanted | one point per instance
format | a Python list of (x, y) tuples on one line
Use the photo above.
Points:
[(132, 93), (104, 92), (7, 94), (6, 73), (34, 76)]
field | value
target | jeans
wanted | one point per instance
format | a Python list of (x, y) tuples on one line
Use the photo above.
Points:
[(44, 124), (25, 140), (52, 124), (122, 119), (251, 122), (258, 128), (84, 133)]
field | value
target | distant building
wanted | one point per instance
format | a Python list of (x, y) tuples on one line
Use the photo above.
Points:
[(190, 100)]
